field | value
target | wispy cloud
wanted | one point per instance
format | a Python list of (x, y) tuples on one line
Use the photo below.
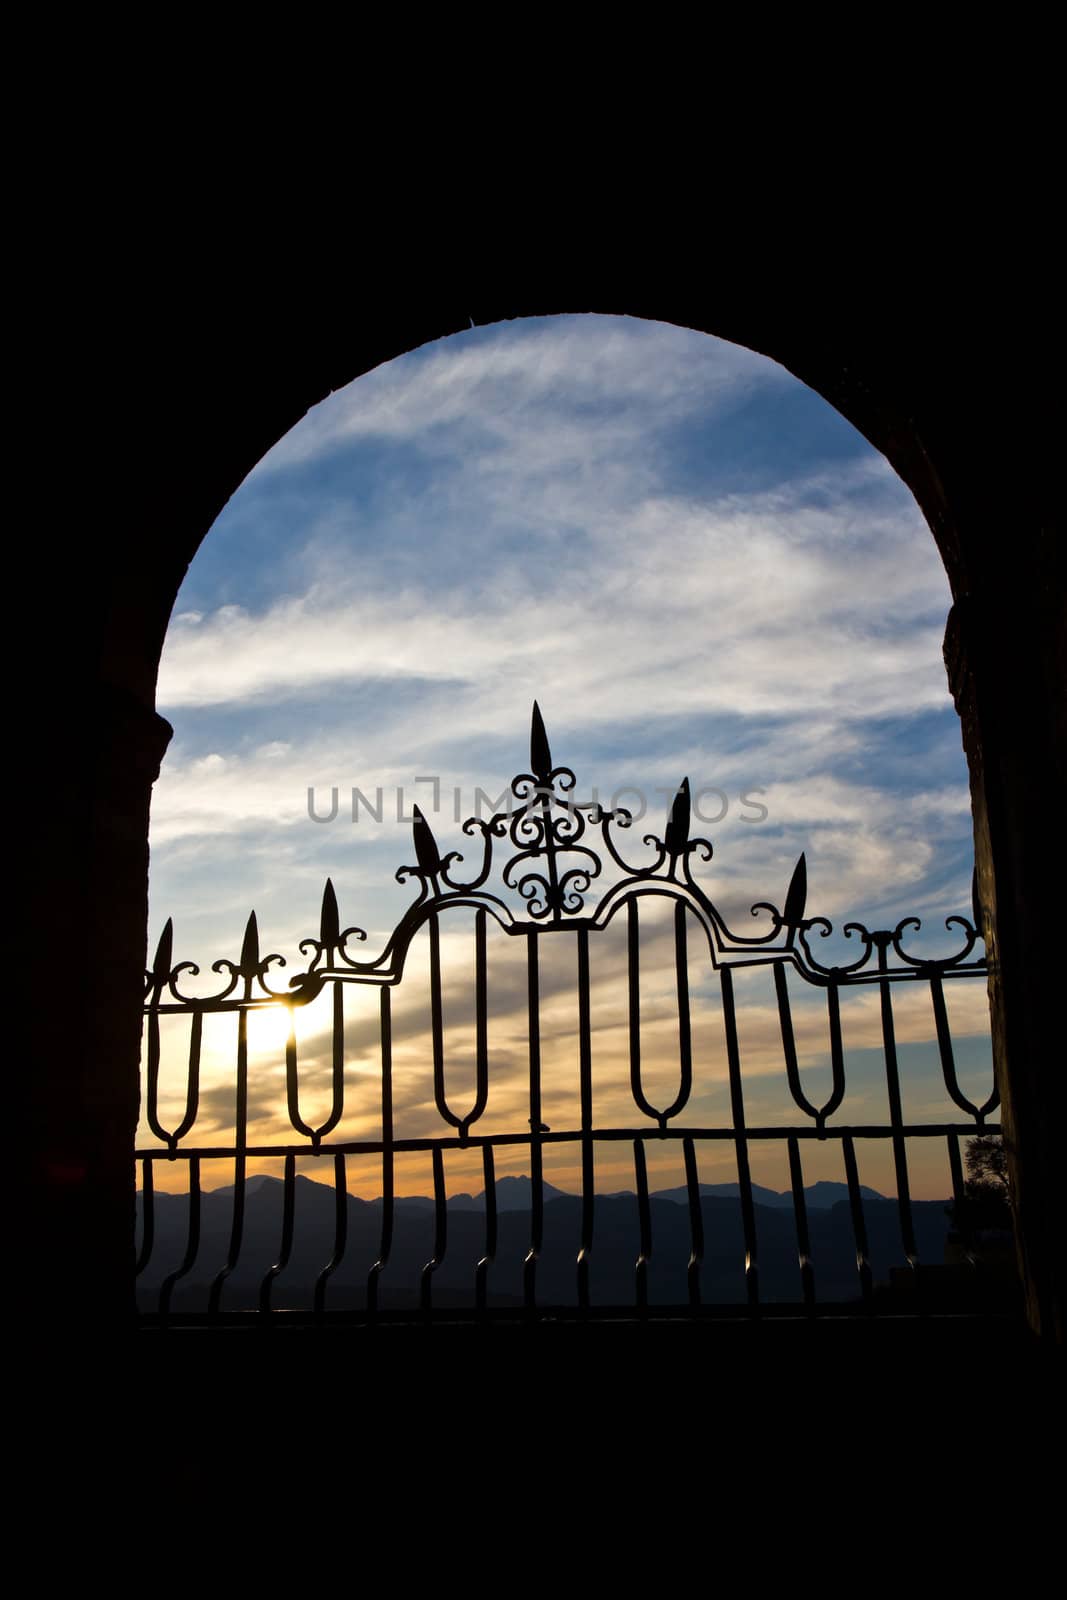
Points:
[(524, 383), (749, 610)]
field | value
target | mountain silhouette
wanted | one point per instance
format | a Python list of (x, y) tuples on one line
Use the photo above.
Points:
[(820, 1196), (512, 1194)]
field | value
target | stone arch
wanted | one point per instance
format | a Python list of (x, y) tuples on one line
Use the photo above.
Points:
[(223, 393)]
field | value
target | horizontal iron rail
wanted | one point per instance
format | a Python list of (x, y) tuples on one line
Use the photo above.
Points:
[(476, 1141), (193, 1006)]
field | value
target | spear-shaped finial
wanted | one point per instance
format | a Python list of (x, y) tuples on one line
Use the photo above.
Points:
[(797, 894), (164, 957), (540, 754), (426, 851), (676, 834), (329, 921), (249, 962)]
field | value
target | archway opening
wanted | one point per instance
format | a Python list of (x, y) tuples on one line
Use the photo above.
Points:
[(754, 604)]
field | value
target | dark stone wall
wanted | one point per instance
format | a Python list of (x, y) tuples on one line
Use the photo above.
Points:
[(176, 382)]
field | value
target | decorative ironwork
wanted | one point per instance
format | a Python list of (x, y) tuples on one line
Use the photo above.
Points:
[(540, 851)]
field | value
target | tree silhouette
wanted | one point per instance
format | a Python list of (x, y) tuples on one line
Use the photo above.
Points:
[(986, 1202)]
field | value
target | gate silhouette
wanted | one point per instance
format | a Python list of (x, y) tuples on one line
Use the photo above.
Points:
[(545, 889)]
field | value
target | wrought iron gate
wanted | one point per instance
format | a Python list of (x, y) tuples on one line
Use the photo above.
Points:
[(549, 872)]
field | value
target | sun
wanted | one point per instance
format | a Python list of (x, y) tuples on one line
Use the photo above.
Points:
[(269, 1027)]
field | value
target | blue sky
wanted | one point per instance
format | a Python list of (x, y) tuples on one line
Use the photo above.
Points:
[(692, 562)]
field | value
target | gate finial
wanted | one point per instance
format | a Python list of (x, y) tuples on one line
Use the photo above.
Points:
[(249, 962), (797, 894), (329, 919), (164, 956), (540, 754), (676, 833), (426, 851)]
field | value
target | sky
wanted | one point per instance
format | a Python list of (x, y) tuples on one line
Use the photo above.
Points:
[(697, 567)]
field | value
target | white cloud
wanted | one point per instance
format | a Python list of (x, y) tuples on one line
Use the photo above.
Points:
[(511, 390), (688, 609)]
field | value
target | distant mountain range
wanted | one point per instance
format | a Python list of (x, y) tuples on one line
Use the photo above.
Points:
[(515, 1194), (612, 1258)]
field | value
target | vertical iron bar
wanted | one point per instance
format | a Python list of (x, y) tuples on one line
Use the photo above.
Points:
[(192, 1093), (239, 1163), (685, 1032), (537, 1192), (744, 1176), (481, 1005), (789, 1044), (337, 1073), (859, 1225), (633, 978), (292, 1081), (152, 1079), (192, 1086), (644, 1217), (437, 1024), (896, 1114), (337, 1064), (288, 1210), (192, 1241), (385, 1244), (800, 1213), (837, 1052), (633, 975), (696, 1223), (440, 1229), (340, 1233), (148, 1215), (585, 1076), (482, 1269), (948, 1060)]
